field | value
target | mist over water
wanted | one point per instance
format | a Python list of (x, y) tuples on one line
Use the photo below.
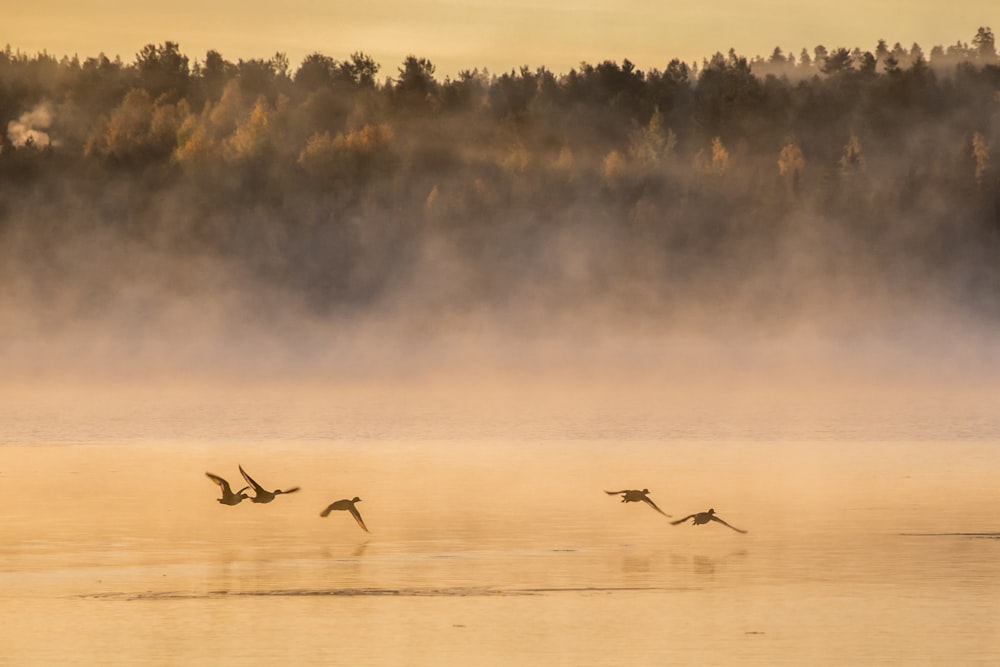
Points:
[(200, 345), (770, 289), (92, 296), (827, 222), (569, 321)]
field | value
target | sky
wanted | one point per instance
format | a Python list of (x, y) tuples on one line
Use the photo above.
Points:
[(499, 35)]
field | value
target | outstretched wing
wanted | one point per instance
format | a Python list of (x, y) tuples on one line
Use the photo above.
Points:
[(689, 516), (357, 517), (715, 518), (336, 505), (221, 482), (649, 502), (250, 480), (614, 493), (291, 490)]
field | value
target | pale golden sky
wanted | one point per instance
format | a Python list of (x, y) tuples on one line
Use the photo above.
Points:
[(500, 35)]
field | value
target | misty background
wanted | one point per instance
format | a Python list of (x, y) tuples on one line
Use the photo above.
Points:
[(833, 212)]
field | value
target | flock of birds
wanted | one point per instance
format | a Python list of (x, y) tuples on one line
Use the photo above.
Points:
[(700, 518), (262, 495)]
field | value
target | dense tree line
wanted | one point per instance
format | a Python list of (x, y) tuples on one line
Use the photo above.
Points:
[(329, 181)]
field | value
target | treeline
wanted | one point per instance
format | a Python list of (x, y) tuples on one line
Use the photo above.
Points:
[(329, 180)]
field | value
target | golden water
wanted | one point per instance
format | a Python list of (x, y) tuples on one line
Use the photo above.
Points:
[(497, 549)]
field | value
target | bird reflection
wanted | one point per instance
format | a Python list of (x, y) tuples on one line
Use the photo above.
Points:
[(634, 496), (228, 497), (636, 564), (347, 505), (703, 565), (262, 495), (704, 517)]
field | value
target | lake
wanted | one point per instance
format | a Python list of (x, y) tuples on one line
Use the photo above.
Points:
[(874, 536)]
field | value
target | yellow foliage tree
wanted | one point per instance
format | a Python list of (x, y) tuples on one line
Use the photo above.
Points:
[(653, 143), (138, 127), (347, 154), (226, 124), (853, 157), (791, 164), (613, 167), (127, 127), (791, 161), (720, 156), (224, 116), (165, 125), (719, 162), (252, 136), (981, 154), (194, 138)]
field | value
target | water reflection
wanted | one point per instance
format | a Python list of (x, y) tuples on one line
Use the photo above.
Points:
[(703, 566), (530, 566)]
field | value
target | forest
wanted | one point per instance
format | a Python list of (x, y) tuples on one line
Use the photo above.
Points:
[(841, 181)]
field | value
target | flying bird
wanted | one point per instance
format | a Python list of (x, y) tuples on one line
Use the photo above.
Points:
[(634, 496), (228, 497), (262, 495), (349, 506), (705, 517)]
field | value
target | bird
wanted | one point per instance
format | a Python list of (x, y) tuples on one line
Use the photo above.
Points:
[(705, 517), (349, 506), (262, 495), (228, 497), (634, 496)]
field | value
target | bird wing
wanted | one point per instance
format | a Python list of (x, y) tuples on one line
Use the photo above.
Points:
[(649, 502), (689, 516), (336, 505), (614, 493), (715, 518), (250, 480), (221, 482), (357, 517), (291, 490)]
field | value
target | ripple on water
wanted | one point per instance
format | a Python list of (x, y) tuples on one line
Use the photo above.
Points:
[(370, 592)]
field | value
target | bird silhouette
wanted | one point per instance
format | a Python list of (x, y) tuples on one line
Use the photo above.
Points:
[(262, 495), (634, 496), (704, 517), (349, 506), (228, 497)]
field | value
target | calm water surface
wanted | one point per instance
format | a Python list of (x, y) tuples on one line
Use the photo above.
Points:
[(501, 549)]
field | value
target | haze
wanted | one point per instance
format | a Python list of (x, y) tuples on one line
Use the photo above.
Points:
[(499, 36), (759, 224)]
